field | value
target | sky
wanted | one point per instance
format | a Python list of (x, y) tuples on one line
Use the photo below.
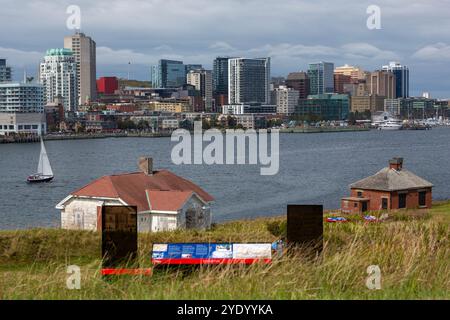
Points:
[(293, 33)]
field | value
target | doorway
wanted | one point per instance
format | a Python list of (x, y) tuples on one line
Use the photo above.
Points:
[(364, 206)]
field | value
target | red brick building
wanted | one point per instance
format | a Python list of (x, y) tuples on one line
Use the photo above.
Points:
[(391, 188)]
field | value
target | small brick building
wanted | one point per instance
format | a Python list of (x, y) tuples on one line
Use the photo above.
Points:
[(391, 188)]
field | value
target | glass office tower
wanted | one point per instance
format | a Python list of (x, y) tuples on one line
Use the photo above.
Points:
[(401, 78), (168, 74), (321, 77), (249, 80)]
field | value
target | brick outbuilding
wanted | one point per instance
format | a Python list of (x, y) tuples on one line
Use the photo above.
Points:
[(391, 188)]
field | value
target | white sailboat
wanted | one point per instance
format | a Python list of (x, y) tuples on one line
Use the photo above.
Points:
[(44, 171)]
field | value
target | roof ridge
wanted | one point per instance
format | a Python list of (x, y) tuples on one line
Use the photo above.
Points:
[(113, 186)]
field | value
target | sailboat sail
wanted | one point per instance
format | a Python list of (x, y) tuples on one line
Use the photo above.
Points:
[(44, 167)]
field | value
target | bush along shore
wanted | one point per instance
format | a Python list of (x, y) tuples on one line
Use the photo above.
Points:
[(411, 250)]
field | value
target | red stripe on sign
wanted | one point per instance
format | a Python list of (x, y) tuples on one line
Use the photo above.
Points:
[(208, 261), (134, 272)]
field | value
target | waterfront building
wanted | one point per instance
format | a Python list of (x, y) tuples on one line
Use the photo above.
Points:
[(58, 75), (298, 81), (107, 85), (168, 74), (324, 107), (22, 108), (412, 108), (251, 121), (286, 100), (202, 81), (401, 79), (391, 188), (5, 71), (85, 52), (372, 103), (249, 80), (321, 78), (164, 201), (381, 83)]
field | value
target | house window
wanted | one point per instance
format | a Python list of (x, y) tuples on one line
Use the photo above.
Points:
[(402, 200), (360, 194), (384, 203), (422, 198)]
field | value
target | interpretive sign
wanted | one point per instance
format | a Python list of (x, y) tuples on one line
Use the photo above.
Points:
[(305, 225), (211, 253), (119, 236)]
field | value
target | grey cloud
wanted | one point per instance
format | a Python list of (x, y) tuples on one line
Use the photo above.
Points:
[(293, 32)]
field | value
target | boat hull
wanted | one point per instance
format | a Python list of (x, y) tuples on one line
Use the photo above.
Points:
[(390, 128), (39, 179)]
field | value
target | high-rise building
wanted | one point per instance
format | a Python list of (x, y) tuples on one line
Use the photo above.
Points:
[(168, 74), (382, 83), (321, 77), (356, 73), (192, 67), (5, 71), (401, 78), (84, 51), (22, 108), (298, 81), (58, 75), (340, 80), (286, 100), (220, 75), (220, 80), (249, 80), (202, 81)]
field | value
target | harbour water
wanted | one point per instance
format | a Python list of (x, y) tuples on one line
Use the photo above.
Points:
[(314, 169)]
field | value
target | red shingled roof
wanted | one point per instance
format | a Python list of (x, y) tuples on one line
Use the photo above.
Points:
[(167, 200), (131, 187)]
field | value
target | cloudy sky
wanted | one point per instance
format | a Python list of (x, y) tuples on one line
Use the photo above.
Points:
[(292, 32)]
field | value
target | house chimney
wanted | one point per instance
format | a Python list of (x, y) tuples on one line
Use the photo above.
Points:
[(146, 165), (396, 164)]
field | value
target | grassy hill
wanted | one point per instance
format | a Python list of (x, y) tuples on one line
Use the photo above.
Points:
[(411, 250)]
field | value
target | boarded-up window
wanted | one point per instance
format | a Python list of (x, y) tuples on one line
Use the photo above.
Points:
[(402, 200), (422, 198)]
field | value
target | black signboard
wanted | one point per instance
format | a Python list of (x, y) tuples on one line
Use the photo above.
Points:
[(119, 236), (305, 226)]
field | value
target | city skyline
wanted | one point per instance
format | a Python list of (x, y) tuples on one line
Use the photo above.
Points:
[(406, 36)]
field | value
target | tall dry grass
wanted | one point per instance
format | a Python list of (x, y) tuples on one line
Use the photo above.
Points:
[(413, 256)]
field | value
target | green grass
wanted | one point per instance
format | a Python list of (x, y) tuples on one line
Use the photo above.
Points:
[(411, 250)]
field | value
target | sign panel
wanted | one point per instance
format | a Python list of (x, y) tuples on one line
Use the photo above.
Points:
[(119, 235), (305, 225), (211, 253)]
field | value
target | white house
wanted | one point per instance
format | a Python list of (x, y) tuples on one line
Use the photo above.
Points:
[(164, 201)]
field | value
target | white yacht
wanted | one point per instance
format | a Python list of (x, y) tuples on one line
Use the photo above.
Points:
[(390, 125)]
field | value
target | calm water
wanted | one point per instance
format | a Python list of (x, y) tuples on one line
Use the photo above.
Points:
[(314, 169)]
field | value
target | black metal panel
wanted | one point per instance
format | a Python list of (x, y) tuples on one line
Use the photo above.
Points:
[(119, 236), (305, 225)]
